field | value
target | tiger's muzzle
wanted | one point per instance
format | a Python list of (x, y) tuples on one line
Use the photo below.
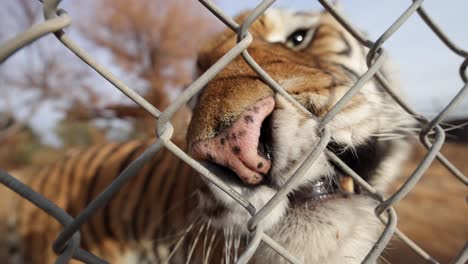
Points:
[(244, 147)]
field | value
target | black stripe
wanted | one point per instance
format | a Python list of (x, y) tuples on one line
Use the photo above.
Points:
[(350, 72), (91, 188), (50, 222), (42, 178), (150, 175), (348, 50), (108, 209), (37, 215), (168, 206), (314, 37), (94, 177), (83, 179), (44, 175), (162, 199), (129, 157), (73, 176), (162, 184)]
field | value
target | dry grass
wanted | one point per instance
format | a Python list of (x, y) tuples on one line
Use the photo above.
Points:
[(435, 213)]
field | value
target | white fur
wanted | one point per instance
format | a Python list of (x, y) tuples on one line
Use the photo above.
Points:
[(237, 215), (142, 253), (335, 231)]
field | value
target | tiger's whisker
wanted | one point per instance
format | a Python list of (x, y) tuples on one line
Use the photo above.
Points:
[(228, 244), (205, 239), (210, 246), (194, 243), (237, 240), (179, 243)]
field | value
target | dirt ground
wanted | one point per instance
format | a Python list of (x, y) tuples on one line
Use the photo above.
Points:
[(435, 213)]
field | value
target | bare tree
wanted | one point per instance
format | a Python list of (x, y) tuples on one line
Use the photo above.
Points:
[(43, 72), (155, 40)]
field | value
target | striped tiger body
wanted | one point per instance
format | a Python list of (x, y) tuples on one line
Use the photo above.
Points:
[(155, 204), (258, 139)]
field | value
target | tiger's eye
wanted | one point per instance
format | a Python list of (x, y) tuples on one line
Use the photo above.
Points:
[(296, 38)]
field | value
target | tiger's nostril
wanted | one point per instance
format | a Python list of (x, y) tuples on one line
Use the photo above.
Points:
[(265, 143), (244, 147)]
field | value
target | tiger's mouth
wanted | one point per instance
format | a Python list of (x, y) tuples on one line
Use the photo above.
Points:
[(323, 189)]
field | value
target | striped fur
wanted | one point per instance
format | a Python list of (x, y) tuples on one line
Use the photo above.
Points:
[(132, 220)]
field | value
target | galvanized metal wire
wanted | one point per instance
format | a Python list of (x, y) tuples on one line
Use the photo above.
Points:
[(67, 243)]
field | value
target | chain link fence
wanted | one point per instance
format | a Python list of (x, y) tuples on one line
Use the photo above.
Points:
[(67, 243)]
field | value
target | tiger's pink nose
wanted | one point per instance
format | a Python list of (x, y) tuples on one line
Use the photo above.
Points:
[(239, 147)]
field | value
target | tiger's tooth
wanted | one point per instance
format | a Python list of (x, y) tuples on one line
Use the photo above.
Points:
[(347, 184)]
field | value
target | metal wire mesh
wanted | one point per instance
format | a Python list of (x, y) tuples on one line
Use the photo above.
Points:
[(67, 243)]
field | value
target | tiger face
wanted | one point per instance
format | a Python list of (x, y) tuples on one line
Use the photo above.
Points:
[(259, 138)]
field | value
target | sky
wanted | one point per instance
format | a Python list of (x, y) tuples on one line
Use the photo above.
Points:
[(426, 69)]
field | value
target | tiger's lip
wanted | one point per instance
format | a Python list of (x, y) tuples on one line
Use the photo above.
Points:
[(239, 147)]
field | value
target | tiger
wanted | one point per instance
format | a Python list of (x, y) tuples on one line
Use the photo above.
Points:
[(256, 139)]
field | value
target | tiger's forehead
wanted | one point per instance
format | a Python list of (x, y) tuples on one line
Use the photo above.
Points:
[(280, 23)]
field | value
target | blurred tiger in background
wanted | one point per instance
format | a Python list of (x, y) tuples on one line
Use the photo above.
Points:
[(257, 140)]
